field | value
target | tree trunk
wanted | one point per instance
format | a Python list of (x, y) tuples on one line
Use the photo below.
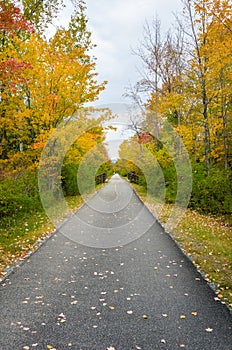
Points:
[(206, 128)]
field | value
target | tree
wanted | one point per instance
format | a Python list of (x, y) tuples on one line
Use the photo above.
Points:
[(41, 12), (14, 27), (194, 95), (199, 35), (163, 74), (211, 31), (54, 79), (78, 26)]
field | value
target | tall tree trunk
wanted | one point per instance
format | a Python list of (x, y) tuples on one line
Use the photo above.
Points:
[(225, 133), (206, 128), (202, 77)]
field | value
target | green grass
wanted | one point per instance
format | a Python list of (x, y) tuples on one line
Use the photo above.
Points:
[(22, 233), (207, 240)]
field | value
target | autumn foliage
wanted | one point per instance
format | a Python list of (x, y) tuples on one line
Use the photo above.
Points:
[(43, 82), (12, 20), (188, 79)]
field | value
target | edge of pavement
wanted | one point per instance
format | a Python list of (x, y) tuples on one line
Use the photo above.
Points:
[(211, 285)]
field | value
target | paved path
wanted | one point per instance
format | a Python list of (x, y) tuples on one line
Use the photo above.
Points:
[(142, 295)]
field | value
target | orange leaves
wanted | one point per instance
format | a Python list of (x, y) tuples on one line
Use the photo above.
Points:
[(42, 82), (145, 138), (37, 145), (11, 72), (12, 20), (53, 100)]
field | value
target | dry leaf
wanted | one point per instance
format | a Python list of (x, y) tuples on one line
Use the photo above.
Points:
[(209, 330)]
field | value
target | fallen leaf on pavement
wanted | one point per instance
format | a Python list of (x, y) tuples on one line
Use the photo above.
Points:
[(209, 330)]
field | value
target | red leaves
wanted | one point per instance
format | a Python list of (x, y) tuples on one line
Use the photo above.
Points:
[(11, 65), (145, 138), (12, 20), (11, 72)]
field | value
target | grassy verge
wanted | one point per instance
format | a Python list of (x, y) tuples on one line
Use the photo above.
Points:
[(23, 233), (207, 241)]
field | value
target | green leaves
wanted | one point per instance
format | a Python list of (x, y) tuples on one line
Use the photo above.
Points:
[(41, 13)]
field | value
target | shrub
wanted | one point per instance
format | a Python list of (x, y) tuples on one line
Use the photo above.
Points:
[(213, 193), (69, 179), (19, 194)]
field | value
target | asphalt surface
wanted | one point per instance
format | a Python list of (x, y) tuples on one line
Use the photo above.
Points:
[(130, 288)]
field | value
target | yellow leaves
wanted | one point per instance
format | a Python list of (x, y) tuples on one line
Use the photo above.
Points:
[(86, 141), (171, 102), (61, 80)]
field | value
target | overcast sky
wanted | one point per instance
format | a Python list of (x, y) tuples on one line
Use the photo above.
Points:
[(117, 28)]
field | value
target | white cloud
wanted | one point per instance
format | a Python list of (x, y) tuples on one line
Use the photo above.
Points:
[(117, 27)]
